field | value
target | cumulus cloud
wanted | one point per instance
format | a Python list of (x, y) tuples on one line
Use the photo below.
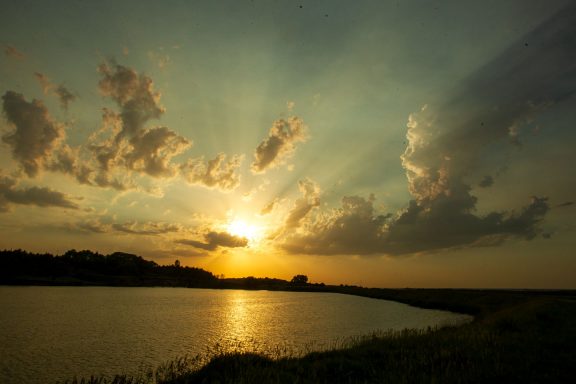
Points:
[(130, 143), (446, 145), (216, 173), (134, 93), (153, 150), (352, 229), (280, 144), (123, 143), (41, 197), (67, 160), (35, 133), (38, 141), (356, 228), (213, 240)]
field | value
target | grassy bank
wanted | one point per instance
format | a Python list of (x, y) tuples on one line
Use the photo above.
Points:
[(520, 337)]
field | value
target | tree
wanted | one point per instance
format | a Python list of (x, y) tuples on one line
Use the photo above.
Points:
[(299, 280)]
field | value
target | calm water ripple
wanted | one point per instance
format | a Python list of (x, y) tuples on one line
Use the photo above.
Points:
[(54, 333)]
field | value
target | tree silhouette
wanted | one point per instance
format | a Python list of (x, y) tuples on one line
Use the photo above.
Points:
[(87, 267), (299, 280)]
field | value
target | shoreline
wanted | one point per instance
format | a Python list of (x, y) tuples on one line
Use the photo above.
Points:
[(514, 336)]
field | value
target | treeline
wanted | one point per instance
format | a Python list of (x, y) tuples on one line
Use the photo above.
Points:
[(19, 267), (92, 268)]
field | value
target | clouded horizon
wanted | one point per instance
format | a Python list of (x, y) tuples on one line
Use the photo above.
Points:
[(380, 144)]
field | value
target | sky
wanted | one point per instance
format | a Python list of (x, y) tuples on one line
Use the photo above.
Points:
[(376, 143)]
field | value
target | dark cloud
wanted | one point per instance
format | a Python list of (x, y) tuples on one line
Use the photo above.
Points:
[(35, 134), (65, 96), (486, 182), (446, 144), (279, 145), (38, 142), (216, 173), (355, 228), (148, 228), (60, 91), (67, 160), (93, 226), (104, 225), (104, 180), (213, 240), (41, 197), (153, 149), (10, 51)]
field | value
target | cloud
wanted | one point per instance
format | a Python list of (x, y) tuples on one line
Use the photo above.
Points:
[(65, 96), (216, 173), (123, 142), (352, 229), (486, 181), (41, 197), (355, 228), (102, 225), (35, 134), (153, 149), (67, 160), (268, 208), (134, 93), (213, 240), (147, 228), (38, 142), (447, 146), (44, 81), (310, 199), (130, 143), (62, 93), (280, 144), (10, 51), (94, 226)]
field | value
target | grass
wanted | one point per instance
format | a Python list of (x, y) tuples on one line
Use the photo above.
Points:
[(517, 337)]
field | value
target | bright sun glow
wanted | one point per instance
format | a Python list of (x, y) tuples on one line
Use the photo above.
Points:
[(241, 228)]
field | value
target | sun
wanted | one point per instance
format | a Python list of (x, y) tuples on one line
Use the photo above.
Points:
[(241, 228)]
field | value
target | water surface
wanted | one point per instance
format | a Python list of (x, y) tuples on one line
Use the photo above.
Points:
[(54, 333)]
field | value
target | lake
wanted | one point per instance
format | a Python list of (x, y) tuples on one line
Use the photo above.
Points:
[(54, 333)]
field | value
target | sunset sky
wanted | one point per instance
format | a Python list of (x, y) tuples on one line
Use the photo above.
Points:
[(379, 143)]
